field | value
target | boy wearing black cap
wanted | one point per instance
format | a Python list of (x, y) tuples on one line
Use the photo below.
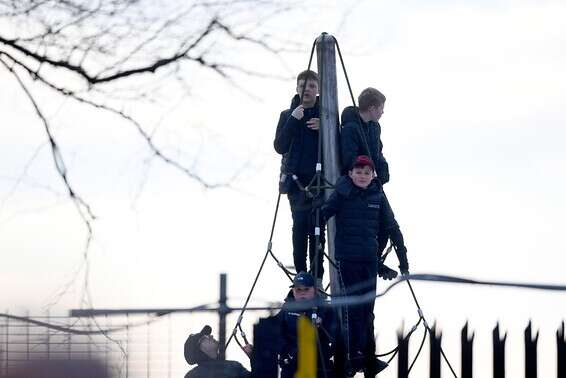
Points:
[(202, 349), (362, 213)]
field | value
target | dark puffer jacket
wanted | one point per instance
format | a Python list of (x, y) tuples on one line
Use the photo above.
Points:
[(297, 143), (218, 369), (353, 145), (361, 215), (328, 332)]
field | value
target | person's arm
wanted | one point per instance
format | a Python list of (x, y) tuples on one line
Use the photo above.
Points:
[(331, 206), (287, 128), (392, 228), (348, 146), (382, 169), (242, 371), (381, 165), (248, 349), (287, 345)]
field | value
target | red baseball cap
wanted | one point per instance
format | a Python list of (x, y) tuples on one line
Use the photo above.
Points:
[(362, 161)]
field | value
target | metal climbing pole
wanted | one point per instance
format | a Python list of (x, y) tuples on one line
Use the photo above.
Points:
[(326, 58)]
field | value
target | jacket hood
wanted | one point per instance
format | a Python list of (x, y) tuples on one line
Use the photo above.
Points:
[(350, 114)]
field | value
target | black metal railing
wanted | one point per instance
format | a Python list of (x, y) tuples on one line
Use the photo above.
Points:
[(151, 347), (123, 345), (498, 349)]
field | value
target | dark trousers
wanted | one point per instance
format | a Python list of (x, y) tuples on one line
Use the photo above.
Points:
[(288, 371), (303, 235), (359, 278)]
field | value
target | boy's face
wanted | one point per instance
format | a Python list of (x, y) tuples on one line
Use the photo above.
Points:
[(376, 112), (209, 346), (311, 91), (361, 176), (303, 293)]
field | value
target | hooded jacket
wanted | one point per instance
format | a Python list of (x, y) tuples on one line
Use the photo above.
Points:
[(364, 219), (297, 143), (353, 145), (328, 331)]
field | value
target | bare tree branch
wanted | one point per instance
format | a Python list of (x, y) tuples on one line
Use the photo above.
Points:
[(96, 79), (82, 207), (24, 11), (148, 138), (52, 37), (92, 49)]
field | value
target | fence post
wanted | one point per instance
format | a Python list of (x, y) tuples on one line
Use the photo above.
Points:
[(561, 352), (27, 337), (498, 353), (89, 346), (127, 345), (106, 342), (7, 344), (467, 342), (148, 350), (530, 352), (435, 341), (69, 340), (48, 342), (169, 346), (222, 312), (403, 355)]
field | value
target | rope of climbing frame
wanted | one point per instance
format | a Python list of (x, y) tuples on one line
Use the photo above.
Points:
[(269, 244)]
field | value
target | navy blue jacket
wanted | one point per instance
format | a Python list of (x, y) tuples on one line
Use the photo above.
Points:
[(352, 143), (328, 331), (218, 369), (364, 219), (297, 143)]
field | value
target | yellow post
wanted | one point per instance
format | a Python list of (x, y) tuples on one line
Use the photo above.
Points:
[(307, 349)]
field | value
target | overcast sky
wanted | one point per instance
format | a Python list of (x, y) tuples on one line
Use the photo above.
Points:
[(473, 130)]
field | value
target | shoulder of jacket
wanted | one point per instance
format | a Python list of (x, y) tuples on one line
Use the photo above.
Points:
[(375, 186), (350, 126), (344, 186), (350, 114)]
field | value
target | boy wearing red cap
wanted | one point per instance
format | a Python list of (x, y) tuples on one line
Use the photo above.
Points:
[(362, 212)]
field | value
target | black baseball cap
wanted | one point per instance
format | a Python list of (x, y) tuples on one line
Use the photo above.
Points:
[(303, 279), (193, 354)]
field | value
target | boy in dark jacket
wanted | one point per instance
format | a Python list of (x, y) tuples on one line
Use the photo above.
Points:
[(362, 212), (202, 349), (303, 289), (361, 133), (296, 139)]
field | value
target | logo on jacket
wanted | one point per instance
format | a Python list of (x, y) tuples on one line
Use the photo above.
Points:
[(373, 205)]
